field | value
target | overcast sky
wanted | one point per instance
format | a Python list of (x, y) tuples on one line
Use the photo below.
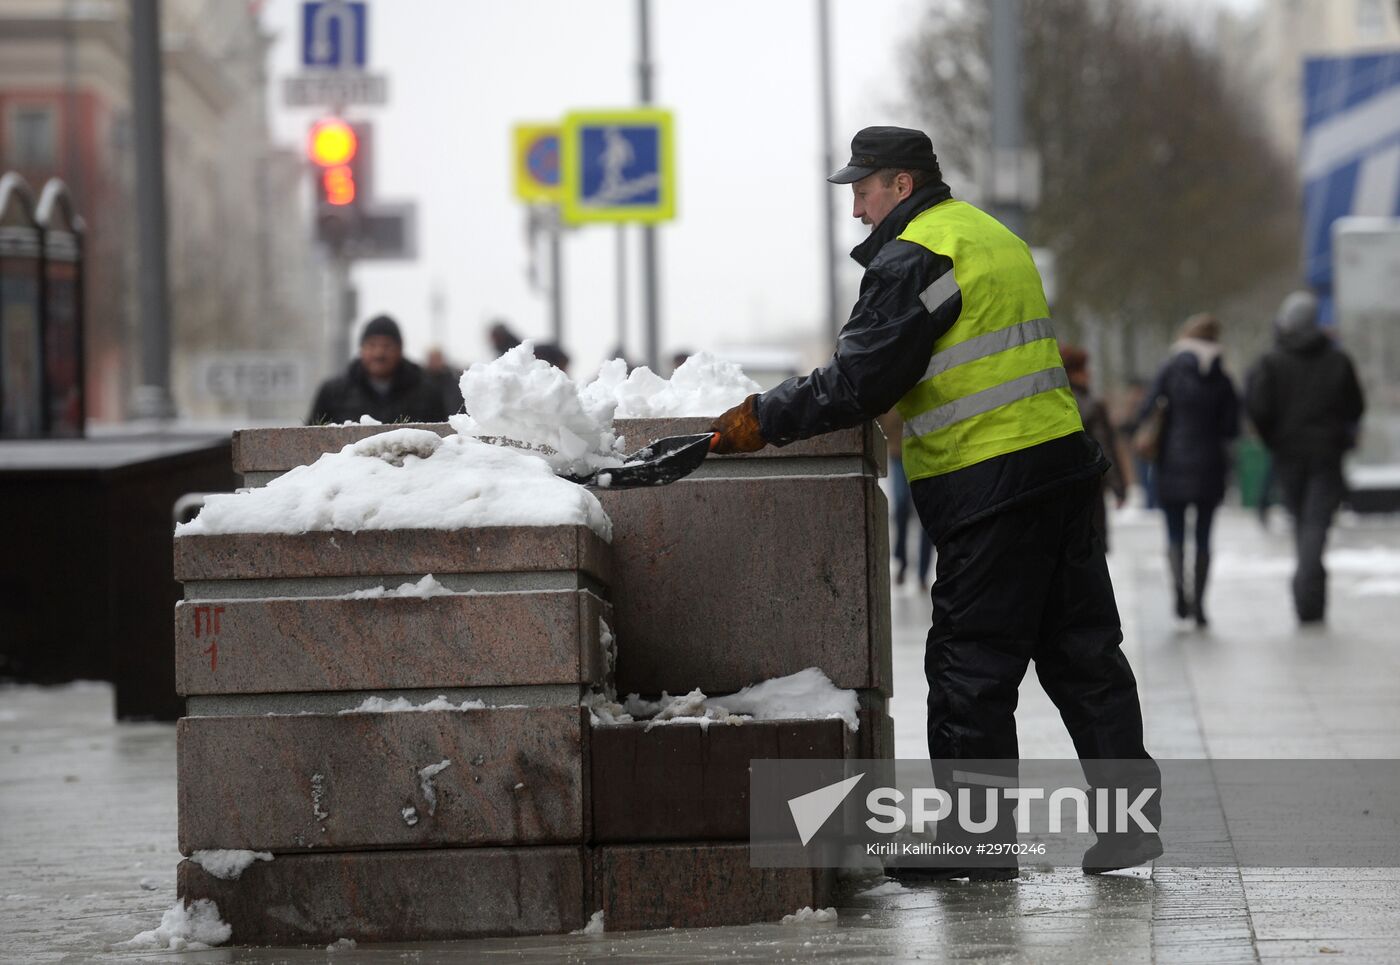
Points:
[(741, 264)]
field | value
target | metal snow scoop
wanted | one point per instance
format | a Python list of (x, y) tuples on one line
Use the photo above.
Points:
[(658, 464)]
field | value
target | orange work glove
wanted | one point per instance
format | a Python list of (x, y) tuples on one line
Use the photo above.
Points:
[(738, 429)]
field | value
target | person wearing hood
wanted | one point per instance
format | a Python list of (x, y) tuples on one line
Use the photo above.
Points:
[(1306, 403), (381, 384), (952, 329), (1202, 417)]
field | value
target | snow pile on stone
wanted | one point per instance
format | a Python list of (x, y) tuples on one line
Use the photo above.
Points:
[(341, 945), (804, 915), (396, 705), (527, 400), (423, 589), (186, 927), (228, 864), (406, 479), (701, 386), (806, 695)]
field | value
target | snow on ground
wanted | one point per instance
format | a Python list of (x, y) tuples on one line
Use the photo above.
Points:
[(806, 695), (407, 479), (186, 927), (228, 864)]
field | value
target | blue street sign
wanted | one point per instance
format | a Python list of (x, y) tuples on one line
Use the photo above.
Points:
[(618, 166), (1349, 160), (334, 34)]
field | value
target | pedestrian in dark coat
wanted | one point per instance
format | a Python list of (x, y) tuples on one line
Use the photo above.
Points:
[(381, 384), (1193, 458), (1304, 399)]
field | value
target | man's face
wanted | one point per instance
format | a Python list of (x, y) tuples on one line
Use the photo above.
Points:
[(380, 356), (874, 199)]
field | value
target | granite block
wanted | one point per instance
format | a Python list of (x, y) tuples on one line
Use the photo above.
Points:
[(398, 896), (319, 782), (725, 582), (697, 885), (487, 549), (321, 644), (679, 782), (865, 442)]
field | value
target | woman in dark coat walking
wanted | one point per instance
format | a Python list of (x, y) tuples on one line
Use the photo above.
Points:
[(1202, 417)]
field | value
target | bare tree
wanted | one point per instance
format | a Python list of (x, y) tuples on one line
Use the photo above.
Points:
[(1160, 193)]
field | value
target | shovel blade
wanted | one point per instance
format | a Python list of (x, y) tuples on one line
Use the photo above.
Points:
[(658, 464)]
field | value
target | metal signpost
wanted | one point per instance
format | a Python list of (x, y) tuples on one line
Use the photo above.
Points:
[(537, 183)]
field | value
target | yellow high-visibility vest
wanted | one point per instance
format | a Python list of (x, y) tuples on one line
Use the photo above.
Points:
[(995, 383)]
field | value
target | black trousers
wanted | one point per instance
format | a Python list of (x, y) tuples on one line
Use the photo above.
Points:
[(1029, 584), (1312, 490)]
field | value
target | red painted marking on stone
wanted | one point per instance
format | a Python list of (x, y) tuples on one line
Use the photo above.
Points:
[(213, 651), (217, 611), (197, 612)]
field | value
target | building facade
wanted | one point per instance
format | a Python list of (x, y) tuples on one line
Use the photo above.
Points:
[(241, 268)]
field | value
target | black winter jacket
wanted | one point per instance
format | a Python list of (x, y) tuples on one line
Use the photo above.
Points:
[(1203, 415), (1303, 397), (883, 352), (412, 397)]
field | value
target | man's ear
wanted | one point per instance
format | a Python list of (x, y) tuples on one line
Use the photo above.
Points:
[(905, 180)]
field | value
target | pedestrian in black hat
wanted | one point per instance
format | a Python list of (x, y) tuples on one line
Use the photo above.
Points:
[(952, 329), (380, 383)]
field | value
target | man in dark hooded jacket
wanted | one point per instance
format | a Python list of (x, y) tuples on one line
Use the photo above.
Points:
[(952, 328), (381, 384), (1304, 399)]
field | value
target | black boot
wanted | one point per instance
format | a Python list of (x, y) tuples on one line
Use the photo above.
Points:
[(1202, 572), (1176, 559), (1114, 852)]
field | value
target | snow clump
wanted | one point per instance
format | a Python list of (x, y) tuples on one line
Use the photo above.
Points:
[(702, 385), (395, 705), (806, 695), (524, 399), (423, 589), (806, 914), (185, 927), (228, 864), (594, 926)]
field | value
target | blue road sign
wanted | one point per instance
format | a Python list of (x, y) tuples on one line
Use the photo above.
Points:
[(1349, 160), (334, 34), (618, 166)]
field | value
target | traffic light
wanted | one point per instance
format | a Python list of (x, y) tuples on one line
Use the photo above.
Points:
[(339, 154)]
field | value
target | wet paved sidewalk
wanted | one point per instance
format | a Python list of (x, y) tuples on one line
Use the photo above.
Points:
[(87, 807)]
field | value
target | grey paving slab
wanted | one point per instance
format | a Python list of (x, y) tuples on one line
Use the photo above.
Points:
[(87, 806)]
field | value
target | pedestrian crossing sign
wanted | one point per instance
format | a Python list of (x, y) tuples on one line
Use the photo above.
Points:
[(618, 166)]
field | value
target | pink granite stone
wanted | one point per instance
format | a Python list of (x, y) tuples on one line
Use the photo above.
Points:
[(721, 583), (697, 885), (335, 782), (687, 782), (398, 896), (490, 549), (388, 643)]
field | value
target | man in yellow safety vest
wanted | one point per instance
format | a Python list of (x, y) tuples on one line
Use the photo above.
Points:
[(952, 328)]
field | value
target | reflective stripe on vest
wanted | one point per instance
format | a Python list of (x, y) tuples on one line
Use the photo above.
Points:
[(995, 383)]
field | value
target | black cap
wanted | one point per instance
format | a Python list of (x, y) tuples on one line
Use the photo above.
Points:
[(876, 148), (381, 325)]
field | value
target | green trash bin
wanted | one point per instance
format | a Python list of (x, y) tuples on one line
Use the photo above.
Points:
[(1252, 467)]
